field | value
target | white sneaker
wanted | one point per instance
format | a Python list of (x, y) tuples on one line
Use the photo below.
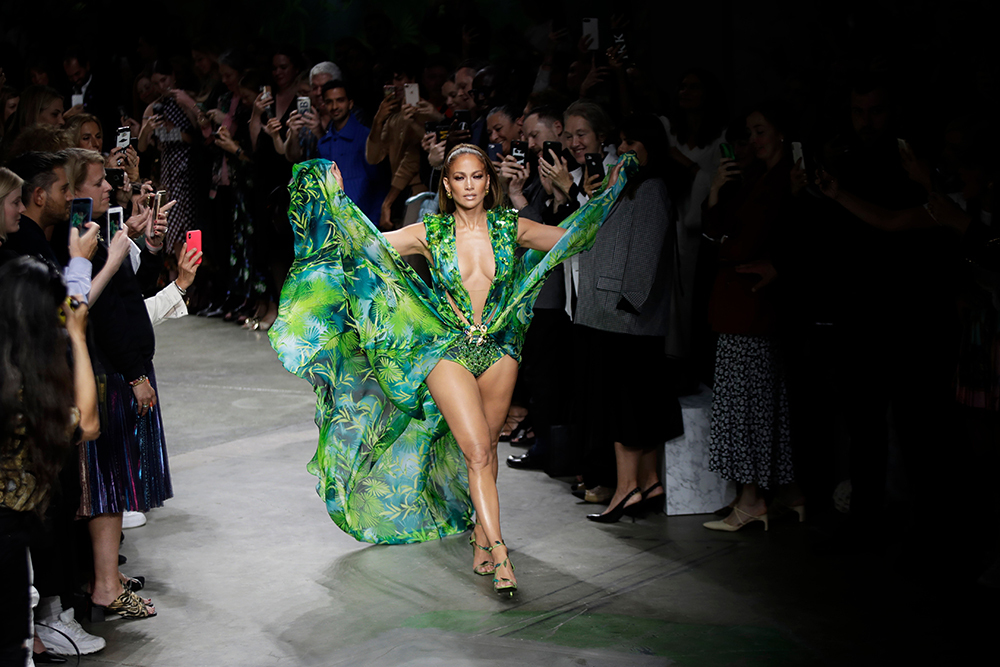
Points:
[(133, 519), (61, 630)]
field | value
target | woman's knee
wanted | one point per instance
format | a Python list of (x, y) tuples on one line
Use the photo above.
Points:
[(479, 457)]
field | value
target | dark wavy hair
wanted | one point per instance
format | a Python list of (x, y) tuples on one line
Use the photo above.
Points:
[(492, 198), (648, 128), (36, 383)]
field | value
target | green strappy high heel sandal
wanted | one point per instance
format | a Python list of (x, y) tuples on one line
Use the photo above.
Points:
[(503, 584), (485, 567)]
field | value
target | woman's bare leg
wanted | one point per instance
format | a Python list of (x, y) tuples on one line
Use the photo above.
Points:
[(105, 535), (627, 461), (475, 412)]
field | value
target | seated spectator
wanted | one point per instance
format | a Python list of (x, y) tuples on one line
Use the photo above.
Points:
[(344, 143)]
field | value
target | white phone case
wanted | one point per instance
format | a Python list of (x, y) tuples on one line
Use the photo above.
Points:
[(411, 93)]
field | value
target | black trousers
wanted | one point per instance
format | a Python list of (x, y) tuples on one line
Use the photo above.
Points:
[(908, 369), (545, 373), (15, 599)]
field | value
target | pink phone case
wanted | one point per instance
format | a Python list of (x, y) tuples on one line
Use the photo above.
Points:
[(194, 241)]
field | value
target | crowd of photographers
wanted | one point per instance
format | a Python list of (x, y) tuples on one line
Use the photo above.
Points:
[(825, 260)]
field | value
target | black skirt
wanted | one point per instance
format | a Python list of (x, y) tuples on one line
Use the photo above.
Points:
[(624, 390)]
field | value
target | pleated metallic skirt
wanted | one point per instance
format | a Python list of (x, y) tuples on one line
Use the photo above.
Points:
[(126, 468)]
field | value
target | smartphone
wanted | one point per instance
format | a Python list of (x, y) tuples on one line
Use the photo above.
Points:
[(302, 105), (114, 221), (76, 100), (80, 212), (727, 151), (495, 152), (590, 30), (123, 136), (441, 132), (797, 158), (595, 164), (159, 200), (519, 149), (411, 93), (116, 177), (430, 126), (548, 147), (194, 241), (267, 92), (388, 90)]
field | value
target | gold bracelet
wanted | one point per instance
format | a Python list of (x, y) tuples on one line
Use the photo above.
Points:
[(139, 380)]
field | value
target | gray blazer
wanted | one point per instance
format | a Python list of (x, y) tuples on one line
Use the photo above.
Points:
[(626, 279)]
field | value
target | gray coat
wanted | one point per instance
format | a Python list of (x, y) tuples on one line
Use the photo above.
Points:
[(626, 279)]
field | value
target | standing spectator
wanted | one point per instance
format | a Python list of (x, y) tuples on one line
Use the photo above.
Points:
[(751, 429), (624, 305), (396, 136), (344, 143), (695, 130), (46, 405), (97, 99), (172, 122)]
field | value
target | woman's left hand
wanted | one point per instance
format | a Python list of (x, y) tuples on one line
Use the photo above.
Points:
[(335, 172), (761, 267), (187, 266)]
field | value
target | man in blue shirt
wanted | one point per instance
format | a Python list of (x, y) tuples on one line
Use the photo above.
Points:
[(344, 143)]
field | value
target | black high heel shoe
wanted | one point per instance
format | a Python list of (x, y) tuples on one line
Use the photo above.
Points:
[(614, 514), (654, 505)]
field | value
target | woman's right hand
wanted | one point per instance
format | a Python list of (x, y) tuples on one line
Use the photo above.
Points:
[(150, 124), (828, 184), (590, 183), (225, 141), (118, 250), (728, 170), (76, 318), (558, 173), (262, 102)]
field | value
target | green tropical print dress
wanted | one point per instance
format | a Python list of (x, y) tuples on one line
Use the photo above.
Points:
[(363, 328)]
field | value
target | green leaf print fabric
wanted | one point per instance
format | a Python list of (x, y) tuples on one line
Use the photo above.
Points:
[(363, 328)]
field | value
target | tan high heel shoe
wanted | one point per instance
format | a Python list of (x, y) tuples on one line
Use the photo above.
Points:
[(742, 519)]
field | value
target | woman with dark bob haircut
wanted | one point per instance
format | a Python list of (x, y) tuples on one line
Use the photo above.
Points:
[(47, 404), (620, 323), (413, 380)]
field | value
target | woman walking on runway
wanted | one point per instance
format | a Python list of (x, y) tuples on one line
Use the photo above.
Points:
[(404, 371)]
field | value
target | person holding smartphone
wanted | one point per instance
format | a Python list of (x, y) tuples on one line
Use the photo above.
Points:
[(49, 403), (395, 136)]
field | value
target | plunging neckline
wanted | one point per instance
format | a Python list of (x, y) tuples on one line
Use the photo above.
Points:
[(470, 312)]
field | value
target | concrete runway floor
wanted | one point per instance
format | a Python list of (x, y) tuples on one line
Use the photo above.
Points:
[(246, 568)]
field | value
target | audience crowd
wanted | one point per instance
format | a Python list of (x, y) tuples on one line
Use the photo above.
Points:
[(822, 260)]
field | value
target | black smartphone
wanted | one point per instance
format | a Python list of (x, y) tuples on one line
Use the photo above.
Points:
[(519, 150), (550, 147), (595, 164), (727, 151), (80, 213), (157, 108), (495, 152), (464, 119), (430, 126), (441, 132), (116, 177)]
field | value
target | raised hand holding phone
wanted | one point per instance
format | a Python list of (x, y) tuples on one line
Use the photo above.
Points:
[(85, 244), (187, 266)]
